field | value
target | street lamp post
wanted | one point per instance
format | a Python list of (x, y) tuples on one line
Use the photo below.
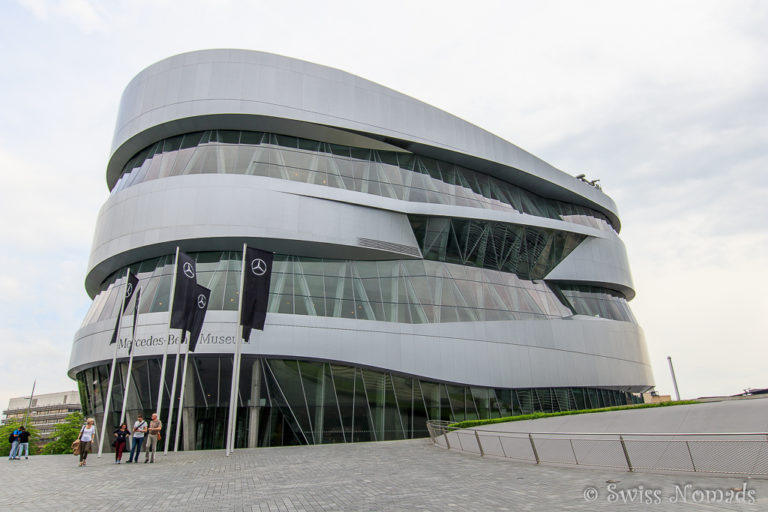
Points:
[(674, 379)]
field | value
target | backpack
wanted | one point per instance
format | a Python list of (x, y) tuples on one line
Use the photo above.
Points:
[(11, 438)]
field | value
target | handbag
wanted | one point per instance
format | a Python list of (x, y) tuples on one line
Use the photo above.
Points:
[(76, 443)]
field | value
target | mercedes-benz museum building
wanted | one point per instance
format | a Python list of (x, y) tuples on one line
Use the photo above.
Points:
[(424, 268)]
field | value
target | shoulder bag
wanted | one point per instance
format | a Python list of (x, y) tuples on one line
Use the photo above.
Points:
[(75, 446)]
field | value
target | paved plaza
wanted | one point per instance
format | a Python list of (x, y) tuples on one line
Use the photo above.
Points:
[(396, 475)]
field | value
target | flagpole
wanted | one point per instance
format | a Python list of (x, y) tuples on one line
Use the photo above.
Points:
[(112, 370), (196, 325), (130, 359), (181, 396), (168, 340), (235, 365), (237, 393), (127, 383), (29, 405), (169, 421)]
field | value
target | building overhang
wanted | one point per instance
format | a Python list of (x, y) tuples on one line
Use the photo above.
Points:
[(249, 90)]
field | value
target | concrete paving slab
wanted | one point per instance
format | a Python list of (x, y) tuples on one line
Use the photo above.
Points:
[(387, 476)]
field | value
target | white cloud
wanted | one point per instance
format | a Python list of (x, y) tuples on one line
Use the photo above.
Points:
[(42, 201), (702, 303), (663, 101), (40, 8), (80, 13), (47, 227)]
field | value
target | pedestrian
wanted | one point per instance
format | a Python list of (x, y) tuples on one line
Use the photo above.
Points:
[(121, 437), (139, 429), (23, 443), (14, 440), (86, 438), (155, 426)]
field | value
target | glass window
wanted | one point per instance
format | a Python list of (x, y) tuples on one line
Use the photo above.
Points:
[(400, 175), (395, 291), (191, 140), (251, 138), (597, 302)]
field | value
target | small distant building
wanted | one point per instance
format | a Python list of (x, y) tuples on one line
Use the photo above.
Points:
[(654, 398), (754, 391), (45, 411)]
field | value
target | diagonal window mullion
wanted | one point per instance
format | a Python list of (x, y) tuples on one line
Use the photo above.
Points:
[(339, 296), (361, 294), (303, 286), (287, 404), (338, 406), (397, 405)]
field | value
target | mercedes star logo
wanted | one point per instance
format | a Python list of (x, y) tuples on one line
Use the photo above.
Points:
[(128, 289), (188, 270), (258, 267), (201, 300)]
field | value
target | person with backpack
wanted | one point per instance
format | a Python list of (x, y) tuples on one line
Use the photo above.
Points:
[(139, 429), (13, 439), (23, 443)]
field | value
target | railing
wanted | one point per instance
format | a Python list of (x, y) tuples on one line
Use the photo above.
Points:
[(728, 453)]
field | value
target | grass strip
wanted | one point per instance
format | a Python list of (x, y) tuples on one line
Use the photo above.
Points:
[(537, 415)]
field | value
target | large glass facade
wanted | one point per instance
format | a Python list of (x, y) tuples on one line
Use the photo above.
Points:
[(596, 301), (398, 175), (287, 401), (333, 367), (404, 291), (528, 252)]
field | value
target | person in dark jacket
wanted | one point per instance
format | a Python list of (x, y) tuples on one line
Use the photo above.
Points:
[(14, 441), (23, 443), (121, 437)]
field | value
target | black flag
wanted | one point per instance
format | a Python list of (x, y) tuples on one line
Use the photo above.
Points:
[(135, 318), (258, 272), (130, 287), (202, 294), (184, 294)]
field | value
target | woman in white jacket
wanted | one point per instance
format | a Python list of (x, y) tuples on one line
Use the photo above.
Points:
[(87, 437)]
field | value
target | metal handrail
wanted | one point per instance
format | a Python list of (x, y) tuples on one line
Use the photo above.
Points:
[(638, 434), (447, 424), (710, 452)]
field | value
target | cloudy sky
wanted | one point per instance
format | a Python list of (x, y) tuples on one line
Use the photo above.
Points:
[(665, 102)]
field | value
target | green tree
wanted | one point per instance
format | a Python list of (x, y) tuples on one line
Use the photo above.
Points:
[(5, 431), (64, 434)]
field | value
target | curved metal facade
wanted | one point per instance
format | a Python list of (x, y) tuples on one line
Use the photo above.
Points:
[(411, 245)]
